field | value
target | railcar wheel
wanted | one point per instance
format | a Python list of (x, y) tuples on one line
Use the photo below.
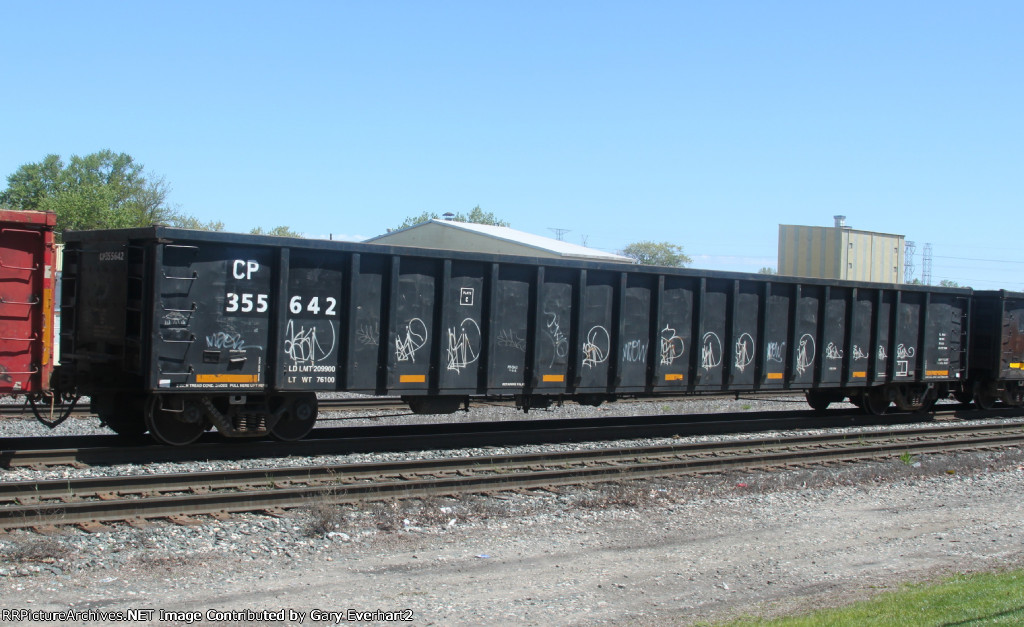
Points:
[(876, 402), (176, 428), (123, 416), (984, 400), (927, 404), (433, 404), (818, 401), (297, 420)]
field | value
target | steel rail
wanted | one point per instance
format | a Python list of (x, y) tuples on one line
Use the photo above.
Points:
[(461, 475), (37, 452), (22, 491)]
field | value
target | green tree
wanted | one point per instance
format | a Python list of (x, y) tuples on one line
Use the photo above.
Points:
[(948, 283), (279, 231), (766, 270), (657, 254), (101, 190), (476, 215), (189, 222)]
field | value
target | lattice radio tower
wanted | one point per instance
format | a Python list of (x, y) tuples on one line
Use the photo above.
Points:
[(908, 261), (926, 265), (559, 233)]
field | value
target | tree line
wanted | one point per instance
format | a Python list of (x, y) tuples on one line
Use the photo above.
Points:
[(108, 190), (102, 190)]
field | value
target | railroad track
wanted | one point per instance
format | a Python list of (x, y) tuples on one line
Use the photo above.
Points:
[(89, 502), (369, 403), (81, 451)]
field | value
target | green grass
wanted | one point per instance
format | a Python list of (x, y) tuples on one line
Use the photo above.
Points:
[(963, 600)]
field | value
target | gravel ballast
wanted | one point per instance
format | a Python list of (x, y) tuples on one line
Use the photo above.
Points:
[(667, 551)]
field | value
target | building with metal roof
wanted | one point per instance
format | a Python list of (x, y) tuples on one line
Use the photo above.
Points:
[(485, 238)]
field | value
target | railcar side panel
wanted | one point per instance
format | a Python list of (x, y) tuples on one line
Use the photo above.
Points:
[(744, 335), (1011, 344), (833, 336), (879, 361), (637, 332), (26, 301), (805, 343), (212, 311), (311, 341), (777, 334), (512, 291), (412, 335), (464, 327), (366, 350), (103, 298), (675, 336), (858, 357), (712, 314), (599, 334), (556, 334), (997, 335)]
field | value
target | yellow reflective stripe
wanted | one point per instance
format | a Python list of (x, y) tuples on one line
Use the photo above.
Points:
[(227, 378)]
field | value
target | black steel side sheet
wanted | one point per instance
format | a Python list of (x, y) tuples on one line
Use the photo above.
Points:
[(213, 309)]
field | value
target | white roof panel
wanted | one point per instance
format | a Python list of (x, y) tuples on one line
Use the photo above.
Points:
[(527, 239)]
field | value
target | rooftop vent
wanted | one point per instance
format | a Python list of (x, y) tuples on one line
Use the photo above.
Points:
[(840, 221)]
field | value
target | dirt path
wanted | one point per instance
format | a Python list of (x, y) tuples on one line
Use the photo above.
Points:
[(684, 555)]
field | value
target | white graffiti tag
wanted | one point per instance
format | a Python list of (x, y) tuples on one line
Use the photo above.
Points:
[(903, 356), (369, 334), (744, 351), (303, 345), (231, 341), (858, 354), (595, 349), (415, 338), (509, 339), (463, 345), (671, 346), (805, 353), (634, 351), (711, 351), (559, 341), (833, 352), (774, 351)]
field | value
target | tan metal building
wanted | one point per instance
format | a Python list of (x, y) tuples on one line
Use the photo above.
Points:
[(840, 252)]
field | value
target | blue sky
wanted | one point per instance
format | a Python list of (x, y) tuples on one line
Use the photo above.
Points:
[(703, 124)]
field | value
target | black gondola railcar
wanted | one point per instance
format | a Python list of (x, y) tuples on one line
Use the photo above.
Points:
[(996, 366), (195, 328)]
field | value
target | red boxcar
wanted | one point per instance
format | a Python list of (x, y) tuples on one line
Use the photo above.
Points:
[(26, 301)]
